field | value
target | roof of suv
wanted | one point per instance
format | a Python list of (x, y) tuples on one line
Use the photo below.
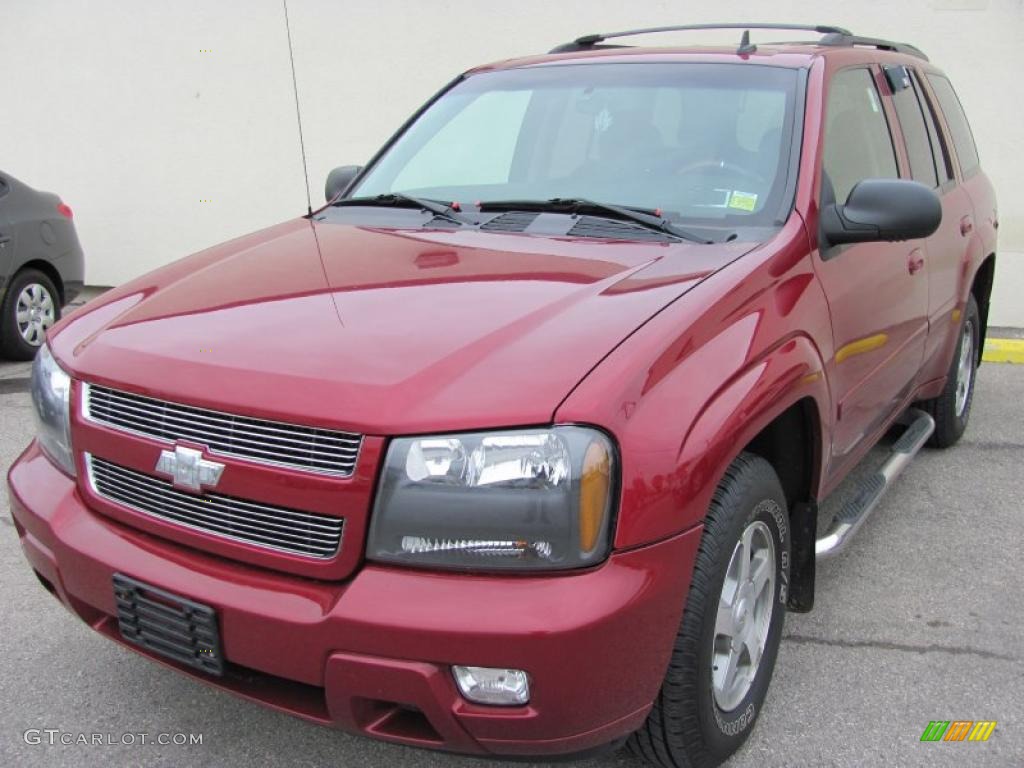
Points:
[(787, 53)]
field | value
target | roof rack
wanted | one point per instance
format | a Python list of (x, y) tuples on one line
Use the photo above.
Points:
[(831, 35), (872, 42)]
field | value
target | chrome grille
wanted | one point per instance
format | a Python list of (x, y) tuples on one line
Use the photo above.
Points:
[(273, 527), (268, 442)]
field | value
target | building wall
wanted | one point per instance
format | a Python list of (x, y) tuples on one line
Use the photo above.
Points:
[(170, 126)]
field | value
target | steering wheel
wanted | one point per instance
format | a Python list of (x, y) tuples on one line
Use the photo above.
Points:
[(722, 165)]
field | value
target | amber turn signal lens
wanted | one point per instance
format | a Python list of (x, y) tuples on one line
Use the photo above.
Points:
[(595, 484)]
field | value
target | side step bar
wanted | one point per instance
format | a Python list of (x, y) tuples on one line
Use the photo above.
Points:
[(873, 487)]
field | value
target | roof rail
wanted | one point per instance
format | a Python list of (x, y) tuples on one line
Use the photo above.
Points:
[(831, 35), (590, 41), (872, 42)]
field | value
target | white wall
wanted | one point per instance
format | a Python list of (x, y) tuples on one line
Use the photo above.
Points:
[(115, 104)]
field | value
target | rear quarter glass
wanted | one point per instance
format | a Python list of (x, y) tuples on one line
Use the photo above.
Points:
[(956, 119)]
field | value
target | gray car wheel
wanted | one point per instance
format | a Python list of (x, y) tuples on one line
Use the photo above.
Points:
[(31, 306), (34, 312)]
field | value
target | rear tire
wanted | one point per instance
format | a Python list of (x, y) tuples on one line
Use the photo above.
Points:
[(30, 307), (698, 719), (952, 409)]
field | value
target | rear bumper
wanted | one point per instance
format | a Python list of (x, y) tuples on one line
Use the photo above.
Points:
[(372, 655)]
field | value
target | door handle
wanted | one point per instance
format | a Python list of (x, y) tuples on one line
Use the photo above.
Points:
[(966, 226), (915, 262), (4, 239)]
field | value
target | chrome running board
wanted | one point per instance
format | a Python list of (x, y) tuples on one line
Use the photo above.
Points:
[(873, 487)]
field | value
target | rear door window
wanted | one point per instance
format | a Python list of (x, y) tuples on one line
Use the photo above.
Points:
[(858, 144), (959, 128)]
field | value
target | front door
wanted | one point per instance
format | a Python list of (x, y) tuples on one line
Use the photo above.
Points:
[(877, 292)]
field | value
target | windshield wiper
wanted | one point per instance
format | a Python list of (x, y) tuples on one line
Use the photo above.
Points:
[(645, 217), (436, 207)]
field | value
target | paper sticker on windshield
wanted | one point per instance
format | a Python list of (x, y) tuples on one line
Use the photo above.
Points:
[(743, 201)]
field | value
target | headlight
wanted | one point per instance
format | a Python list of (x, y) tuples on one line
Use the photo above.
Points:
[(51, 396), (536, 498)]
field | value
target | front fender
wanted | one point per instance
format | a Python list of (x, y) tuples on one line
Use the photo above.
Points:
[(786, 375), (688, 391), (670, 489)]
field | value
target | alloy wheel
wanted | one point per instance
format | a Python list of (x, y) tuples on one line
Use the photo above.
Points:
[(744, 616), (965, 369)]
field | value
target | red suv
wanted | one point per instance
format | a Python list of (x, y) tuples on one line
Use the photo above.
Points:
[(516, 446)]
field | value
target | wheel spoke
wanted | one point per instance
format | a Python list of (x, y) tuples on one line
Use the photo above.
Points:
[(762, 572), (752, 642), (731, 666), (724, 624), (22, 316), (744, 553)]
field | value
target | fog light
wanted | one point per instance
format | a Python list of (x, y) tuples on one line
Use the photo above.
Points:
[(485, 685)]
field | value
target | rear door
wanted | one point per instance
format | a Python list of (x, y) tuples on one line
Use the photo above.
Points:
[(877, 292), (976, 214), (947, 249)]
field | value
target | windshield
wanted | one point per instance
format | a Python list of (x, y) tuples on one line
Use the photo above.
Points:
[(704, 144)]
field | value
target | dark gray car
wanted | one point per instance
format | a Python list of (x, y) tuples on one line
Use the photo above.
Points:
[(41, 265)]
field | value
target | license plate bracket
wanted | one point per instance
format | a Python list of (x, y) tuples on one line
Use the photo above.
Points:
[(169, 625)]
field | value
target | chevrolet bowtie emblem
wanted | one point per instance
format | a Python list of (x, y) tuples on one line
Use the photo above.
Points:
[(188, 469)]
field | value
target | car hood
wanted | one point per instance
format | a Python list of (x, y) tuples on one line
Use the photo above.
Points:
[(380, 331)]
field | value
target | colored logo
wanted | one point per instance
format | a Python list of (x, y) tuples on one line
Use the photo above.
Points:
[(958, 730)]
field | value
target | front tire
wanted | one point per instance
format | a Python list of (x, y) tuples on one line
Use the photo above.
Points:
[(729, 636), (952, 409)]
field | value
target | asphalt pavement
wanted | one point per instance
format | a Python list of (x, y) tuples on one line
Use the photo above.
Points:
[(921, 619)]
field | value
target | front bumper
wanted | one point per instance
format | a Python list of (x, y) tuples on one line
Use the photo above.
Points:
[(372, 655)]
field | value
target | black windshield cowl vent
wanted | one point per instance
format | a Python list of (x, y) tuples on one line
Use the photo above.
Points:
[(441, 222), (513, 221), (610, 229)]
